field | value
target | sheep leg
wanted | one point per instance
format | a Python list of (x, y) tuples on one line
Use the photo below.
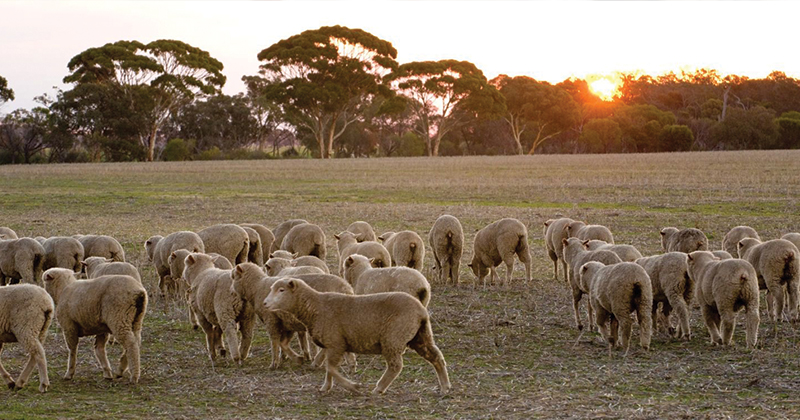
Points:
[(4, 373), (232, 337), (779, 300), (576, 306), (553, 256), (246, 327), (100, 341), (792, 290), (509, 270), (751, 324), (614, 331), (425, 346), (666, 310), (601, 317), (302, 338), (565, 270), (286, 338), (71, 339), (394, 365), (130, 355), (728, 326), (682, 311), (454, 267), (319, 359), (625, 324), (211, 344), (590, 310), (350, 359), (525, 258), (771, 305), (711, 318), (334, 358)]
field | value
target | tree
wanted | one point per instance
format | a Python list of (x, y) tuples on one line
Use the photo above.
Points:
[(6, 93), (753, 128), (22, 134), (221, 121), (641, 125), (437, 90), (601, 135), (323, 78), (789, 128), (675, 138)]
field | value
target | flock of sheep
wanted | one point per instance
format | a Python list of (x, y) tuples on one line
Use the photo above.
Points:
[(376, 303)]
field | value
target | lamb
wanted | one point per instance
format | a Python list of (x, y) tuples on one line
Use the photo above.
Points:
[(218, 308), (281, 230), (406, 248), (7, 233), (724, 287), (229, 240), (284, 267), (580, 230), (368, 280), (672, 288), (730, 243), (685, 240), (555, 231), (576, 255), (26, 311), (363, 231), (159, 249), (267, 238), (627, 253), (105, 305), (777, 265), (499, 242), (101, 246), (64, 252), (348, 245), (21, 260), (305, 239), (447, 243), (615, 292), (99, 266), (793, 238), (383, 323)]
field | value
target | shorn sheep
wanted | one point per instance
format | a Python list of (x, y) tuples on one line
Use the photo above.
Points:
[(383, 323), (555, 231), (627, 253), (347, 244), (21, 260), (101, 246), (724, 287), (26, 311), (406, 248), (368, 280), (685, 240), (730, 243), (229, 240), (617, 291), (672, 288), (64, 252), (777, 265), (281, 230), (99, 307), (576, 256), (363, 231), (446, 239), (497, 243), (99, 266), (580, 230), (305, 239), (267, 238), (160, 248)]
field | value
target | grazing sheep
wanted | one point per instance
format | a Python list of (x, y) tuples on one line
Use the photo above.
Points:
[(627, 253), (368, 280), (218, 308), (281, 230), (99, 266), (724, 287), (26, 311), (723, 255), (159, 249), (305, 239), (267, 238), (685, 240), (777, 265), (7, 233), (348, 245), (555, 231), (383, 323), (311, 261), (793, 238), (497, 243), (101, 246), (730, 243), (406, 248), (100, 307), (21, 260), (580, 230), (64, 252), (229, 240), (576, 255), (672, 288), (363, 231), (616, 291), (254, 253), (447, 243)]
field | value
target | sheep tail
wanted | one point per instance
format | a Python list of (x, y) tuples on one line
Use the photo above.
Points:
[(789, 267), (636, 295), (522, 244), (422, 294), (48, 317), (140, 304)]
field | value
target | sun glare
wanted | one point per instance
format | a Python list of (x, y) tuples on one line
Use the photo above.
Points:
[(604, 88)]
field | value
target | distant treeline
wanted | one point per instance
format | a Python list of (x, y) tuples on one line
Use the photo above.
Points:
[(339, 92)]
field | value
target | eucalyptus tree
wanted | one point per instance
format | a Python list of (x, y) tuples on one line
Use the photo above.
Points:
[(6, 93)]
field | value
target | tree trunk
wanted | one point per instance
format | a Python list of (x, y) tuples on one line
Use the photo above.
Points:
[(436, 141), (151, 146), (331, 135), (321, 141), (724, 103)]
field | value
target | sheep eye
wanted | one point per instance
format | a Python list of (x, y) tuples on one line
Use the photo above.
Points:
[(280, 290)]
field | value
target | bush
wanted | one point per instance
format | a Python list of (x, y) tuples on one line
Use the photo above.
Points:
[(178, 150)]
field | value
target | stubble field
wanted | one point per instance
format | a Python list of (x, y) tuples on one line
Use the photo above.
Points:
[(511, 353)]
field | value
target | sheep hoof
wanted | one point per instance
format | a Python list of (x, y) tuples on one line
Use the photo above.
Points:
[(43, 388)]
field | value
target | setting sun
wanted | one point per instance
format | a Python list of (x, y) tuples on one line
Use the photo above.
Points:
[(604, 88)]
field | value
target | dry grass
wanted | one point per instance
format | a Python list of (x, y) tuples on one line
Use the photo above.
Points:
[(511, 353)]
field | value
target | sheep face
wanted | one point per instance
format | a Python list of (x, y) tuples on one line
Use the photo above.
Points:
[(150, 246), (281, 295), (478, 268)]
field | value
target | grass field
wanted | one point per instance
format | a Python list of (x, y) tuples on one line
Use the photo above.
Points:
[(511, 353)]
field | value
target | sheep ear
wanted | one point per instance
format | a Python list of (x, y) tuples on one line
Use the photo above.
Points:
[(700, 243), (689, 256), (295, 255), (565, 241), (663, 232), (586, 243), (291, 284), (48, 277), (336, 235), (348, 262), (173, 255), (361, 236), (108, 260), (239, 269), (83, 263), (372, 261), (190, 259), (272, 255)]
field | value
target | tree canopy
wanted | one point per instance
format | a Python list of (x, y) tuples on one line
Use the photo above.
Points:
[(6, 93)]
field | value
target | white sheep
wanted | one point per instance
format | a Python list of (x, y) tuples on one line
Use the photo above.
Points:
[(684, 240), (497, 243), (62, 251), (7, 233), (347, 245), (101, 246), (267, 238), (627, 253), (99, 266), (311, 261), (281, 230), (555, 231), (21, 260), (229, 240), (777, 265), (576, 255), (365, 279), (159, 250), (305, 239), (283, 267), (580, 230), (730, 243), (447, 243), (406, 248), (672, 288), (26, 311), (792, 237), (363, 231), (255, 253)]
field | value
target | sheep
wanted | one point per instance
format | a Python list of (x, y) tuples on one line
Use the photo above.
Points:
[(730, 242), (777, 265), (64, 252), (267, 238), (176, 263), (7, 233), (615, 292), (685, 240), (99, 266), (723, 288), (284, 267), (723, 255), (554, 233), (576, 255), (26, 311), (218, 308), (627, 253), (311, 261), (368, 280), (101, 246), (21, 260), (406, 248), (672, 288), (282, 254), (281, 230), (348, 244), (793, 238), (580, 230), (363, 231), (499, 242), (160, 248), (105, 305), (254, 252), (305, 239), (383, 323), (229, 240), (446, 239)]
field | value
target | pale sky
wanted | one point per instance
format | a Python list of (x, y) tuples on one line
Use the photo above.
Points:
[(545, 40)]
